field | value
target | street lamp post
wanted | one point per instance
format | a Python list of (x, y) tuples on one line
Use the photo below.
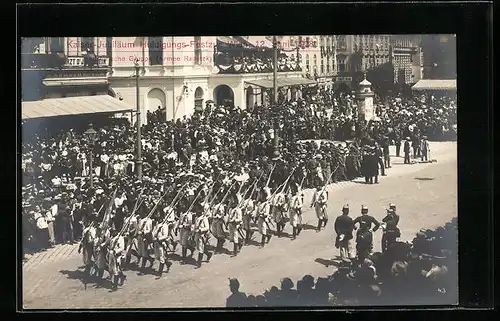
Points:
[(138, 161), (91, 136)]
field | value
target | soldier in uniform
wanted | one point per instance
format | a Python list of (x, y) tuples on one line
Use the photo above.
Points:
[(263, 220), (248, 211), (234, 221), (201, 228), (319, 201), (144, 238), (115, 256), (344, 227), (296, 213), (364, 237), (160, 235), (390, 228), (184, 227), (280, 210)]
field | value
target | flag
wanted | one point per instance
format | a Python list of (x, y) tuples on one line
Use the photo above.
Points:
[(107, 215)]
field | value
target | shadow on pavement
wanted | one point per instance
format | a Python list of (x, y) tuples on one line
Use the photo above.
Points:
[(87, 279), (424, 178)]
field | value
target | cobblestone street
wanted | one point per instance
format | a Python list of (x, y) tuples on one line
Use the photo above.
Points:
[(425, 196)]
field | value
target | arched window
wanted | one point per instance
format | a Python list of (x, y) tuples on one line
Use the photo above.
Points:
[(198, 99)]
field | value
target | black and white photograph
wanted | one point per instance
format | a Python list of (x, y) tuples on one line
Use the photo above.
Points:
[(239, 171)]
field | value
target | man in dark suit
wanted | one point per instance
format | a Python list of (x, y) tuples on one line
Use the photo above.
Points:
[(406, 150)]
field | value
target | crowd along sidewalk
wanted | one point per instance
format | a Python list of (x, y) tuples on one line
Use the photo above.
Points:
[(442, 152)]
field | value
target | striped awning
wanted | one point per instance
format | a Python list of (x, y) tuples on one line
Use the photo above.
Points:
[(281, 82), (435, 84), (73, 106)]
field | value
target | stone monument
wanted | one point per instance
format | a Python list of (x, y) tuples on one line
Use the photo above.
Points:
[(364, 98)]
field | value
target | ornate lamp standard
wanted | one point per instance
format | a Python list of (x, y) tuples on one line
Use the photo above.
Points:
[(91, 136)]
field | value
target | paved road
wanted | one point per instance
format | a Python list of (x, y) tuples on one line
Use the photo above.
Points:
[(425, 195)]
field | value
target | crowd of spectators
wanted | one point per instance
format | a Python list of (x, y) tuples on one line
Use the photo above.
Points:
[(56, 187)]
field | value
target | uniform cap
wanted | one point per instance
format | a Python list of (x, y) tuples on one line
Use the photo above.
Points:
[(392, 205), (346, 207), (364, 207), (234, 283)]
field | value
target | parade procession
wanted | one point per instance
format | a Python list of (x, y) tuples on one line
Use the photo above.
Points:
[(260, 192)]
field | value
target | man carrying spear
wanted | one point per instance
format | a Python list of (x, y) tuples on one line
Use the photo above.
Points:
[(160, 235), (201, 229), (234, 222), (296, 210), (115, 256), (319, 201)]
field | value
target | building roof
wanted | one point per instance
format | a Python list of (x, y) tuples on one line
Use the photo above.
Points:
[(281, 82), (73, 106), (436, 84), (365, 82)]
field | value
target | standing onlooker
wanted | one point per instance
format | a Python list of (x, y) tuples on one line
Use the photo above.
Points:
[(406, 150)]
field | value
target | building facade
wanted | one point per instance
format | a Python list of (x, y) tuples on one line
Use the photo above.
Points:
[(56, 67), (405, 57), (180, 73)]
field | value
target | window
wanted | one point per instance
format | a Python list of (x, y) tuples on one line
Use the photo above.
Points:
[(328, 67), (109, 49), (315, 60), (155, 46), (197, 50), (57, 44), (322, 67), (87, 44), (307, 62)]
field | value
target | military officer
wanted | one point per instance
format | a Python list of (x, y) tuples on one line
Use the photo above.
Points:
[(390, 228), (364, 237), (201, 229), (296, 213), (344, 227), (235, 220), (160, 235), (171, 221), (319, 201)]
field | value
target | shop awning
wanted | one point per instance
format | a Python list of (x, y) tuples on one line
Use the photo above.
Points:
[(281, 82), (73, 106), (435, 84)]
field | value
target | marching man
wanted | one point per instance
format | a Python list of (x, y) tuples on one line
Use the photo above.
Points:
[(201, 228), (144, 238), (104, 236), (247, 216), (115, 256), (296, 213), (171, 221), (344, 227), (184, 227), (235, 220), (130, 238), (320, 198), (280, 212), (263, 220), (87, 244), (161, 233)]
